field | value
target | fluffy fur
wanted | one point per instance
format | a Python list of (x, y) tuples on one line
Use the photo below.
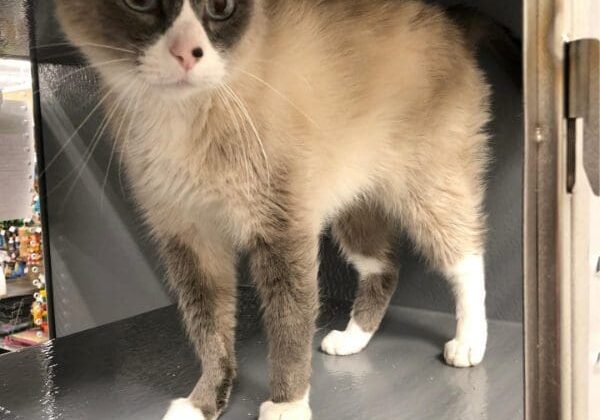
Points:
[(364, 114)]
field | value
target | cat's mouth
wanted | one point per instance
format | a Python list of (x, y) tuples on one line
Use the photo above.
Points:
[(165, 83), (182, 84), (170, 80)]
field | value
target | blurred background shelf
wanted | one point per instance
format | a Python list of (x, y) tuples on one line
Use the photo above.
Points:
[(17, 288)]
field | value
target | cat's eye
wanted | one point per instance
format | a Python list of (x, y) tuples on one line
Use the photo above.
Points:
[(220, 9), (142, 5)]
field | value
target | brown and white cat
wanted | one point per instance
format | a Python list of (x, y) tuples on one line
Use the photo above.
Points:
[(253, 124)]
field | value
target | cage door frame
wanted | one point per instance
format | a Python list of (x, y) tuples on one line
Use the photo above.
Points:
[(561, 225)]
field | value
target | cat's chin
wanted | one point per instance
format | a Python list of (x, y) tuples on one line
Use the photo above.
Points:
[(180, 90)]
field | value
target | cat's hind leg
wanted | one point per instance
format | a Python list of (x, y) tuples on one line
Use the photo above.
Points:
[(365, 236), (446, 222), (467, 279)]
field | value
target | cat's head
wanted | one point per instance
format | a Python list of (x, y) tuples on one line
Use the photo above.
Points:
[(174, 47)]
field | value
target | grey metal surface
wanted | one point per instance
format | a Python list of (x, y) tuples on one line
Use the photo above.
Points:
[(14, 31), (132, 369), (97, 238)]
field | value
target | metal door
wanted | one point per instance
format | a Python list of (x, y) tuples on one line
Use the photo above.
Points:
[(562, 210)]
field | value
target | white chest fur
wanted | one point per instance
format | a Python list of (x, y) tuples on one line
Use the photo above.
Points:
[(179, 188)]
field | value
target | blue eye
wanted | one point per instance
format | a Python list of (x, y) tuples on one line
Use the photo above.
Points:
[(143, 6), (220, 9)]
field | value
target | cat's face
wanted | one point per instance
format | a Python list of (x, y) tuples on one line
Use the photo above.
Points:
[(175, 47)]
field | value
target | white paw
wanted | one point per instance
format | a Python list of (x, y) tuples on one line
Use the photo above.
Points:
[(344, 343), (298, 410), (183, 409), (465, 353)]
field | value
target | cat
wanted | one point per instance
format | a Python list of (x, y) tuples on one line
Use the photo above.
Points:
[(253, 124)]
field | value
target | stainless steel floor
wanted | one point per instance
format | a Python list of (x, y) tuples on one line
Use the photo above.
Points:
[(131, 369)]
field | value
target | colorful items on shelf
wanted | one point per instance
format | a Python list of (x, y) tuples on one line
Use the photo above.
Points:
[(21, 259), (16, 328), (39, 309), (20, 249)]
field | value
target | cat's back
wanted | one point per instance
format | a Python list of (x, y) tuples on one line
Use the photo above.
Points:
[(345, 63), (365, 83), (365, 50), (369, 20)]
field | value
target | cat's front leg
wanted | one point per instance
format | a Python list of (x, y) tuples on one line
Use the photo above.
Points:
[(285, 270), (203, 278)]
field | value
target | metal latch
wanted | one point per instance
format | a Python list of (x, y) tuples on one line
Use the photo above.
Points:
[(583, 102)]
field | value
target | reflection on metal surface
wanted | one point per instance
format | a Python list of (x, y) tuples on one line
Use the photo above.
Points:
[(49, 390), (130, 370)]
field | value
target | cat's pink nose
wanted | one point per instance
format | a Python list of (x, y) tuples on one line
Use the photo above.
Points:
[(186, 54)]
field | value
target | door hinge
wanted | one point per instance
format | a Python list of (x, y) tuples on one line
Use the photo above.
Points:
[(582, 95)]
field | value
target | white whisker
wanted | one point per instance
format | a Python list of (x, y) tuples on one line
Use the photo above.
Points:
[(115, 141), (235, 116), (86, 44), (126, 139), (281, 95), (85, 120), (79, 70), (287, 69), (94, 143), (245, 112)]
